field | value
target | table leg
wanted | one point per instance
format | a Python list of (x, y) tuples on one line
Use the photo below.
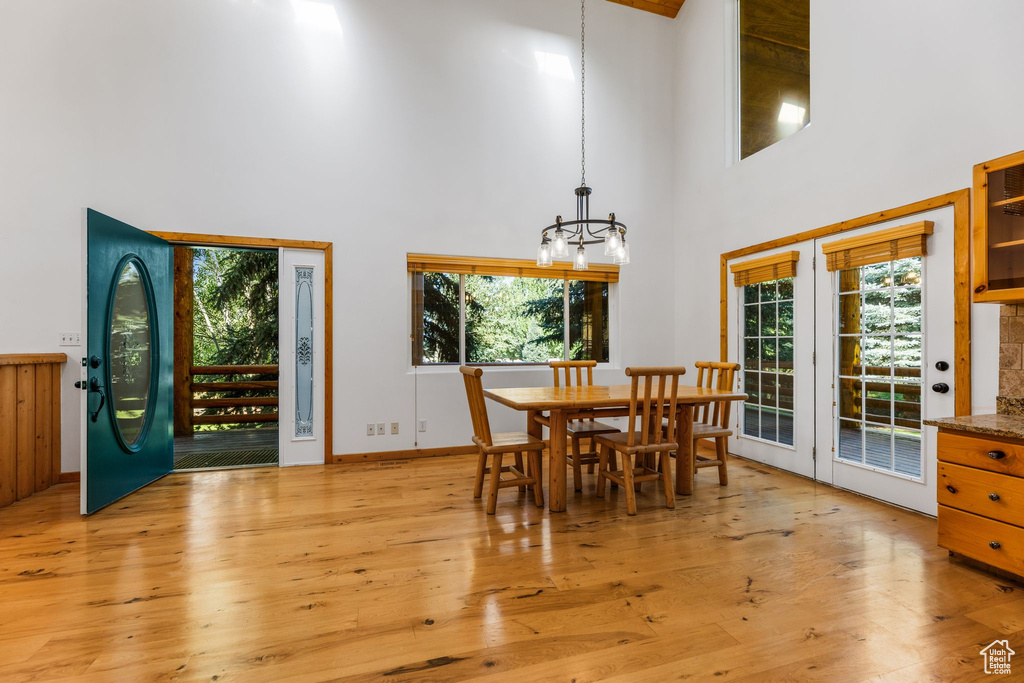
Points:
[(685, 454), (536, 430), (556, 462)]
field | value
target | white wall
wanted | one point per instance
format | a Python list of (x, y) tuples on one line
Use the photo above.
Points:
[(425, 127), (905, 98)]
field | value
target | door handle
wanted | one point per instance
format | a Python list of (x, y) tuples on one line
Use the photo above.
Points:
[(95, 387), (940, 387)]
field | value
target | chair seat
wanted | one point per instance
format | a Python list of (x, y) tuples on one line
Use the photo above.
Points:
[(507, 442), (618, 442), (588, 428), (706, 431)]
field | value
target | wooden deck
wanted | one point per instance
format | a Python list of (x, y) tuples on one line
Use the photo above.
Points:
[(226, 448), (366, 572)]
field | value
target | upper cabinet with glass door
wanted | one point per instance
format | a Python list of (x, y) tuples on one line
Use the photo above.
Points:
[(999, 230)]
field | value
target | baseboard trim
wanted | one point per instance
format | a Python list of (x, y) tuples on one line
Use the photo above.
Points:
[(69, 477), (404, 455)]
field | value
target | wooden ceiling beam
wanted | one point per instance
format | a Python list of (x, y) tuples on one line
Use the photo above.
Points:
[(666, 8)]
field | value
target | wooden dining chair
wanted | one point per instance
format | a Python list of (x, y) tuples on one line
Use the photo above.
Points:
[(711, 420), (577, 430), (499, 444), (641, 442)]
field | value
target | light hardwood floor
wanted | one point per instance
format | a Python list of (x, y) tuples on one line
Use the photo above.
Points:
[(394, 572)]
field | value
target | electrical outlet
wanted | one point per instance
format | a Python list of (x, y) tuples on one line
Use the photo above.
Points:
[(380, 429), (70, 339), (394, 427), (422, 426), (370, 431)]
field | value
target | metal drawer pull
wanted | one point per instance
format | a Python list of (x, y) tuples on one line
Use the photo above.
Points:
[(996, 455), (993, 496), (950, 488), (995, 545)]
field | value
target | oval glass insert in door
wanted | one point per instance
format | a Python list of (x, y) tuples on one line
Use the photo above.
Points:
[(129, 354)]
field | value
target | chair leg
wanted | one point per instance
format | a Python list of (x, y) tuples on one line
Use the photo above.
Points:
[(577, 473), (481, 465), (519, 466), (613, 464), (667, 481), (591, 446), (627, 477), (538, 488), (696, 442), (492, 496), (722, 449), (602, 467)]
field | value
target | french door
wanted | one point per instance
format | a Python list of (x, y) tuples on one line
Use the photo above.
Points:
[(884, 362), (127, 440)]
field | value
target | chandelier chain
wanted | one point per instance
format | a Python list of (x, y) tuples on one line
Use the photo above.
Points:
[(583, 93)]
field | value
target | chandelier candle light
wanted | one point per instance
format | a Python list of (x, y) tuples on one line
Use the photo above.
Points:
[(584, 230)]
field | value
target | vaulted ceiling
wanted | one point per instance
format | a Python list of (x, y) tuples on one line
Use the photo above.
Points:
[(666, 8)]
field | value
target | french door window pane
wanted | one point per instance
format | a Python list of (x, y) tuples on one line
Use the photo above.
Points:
[(751, 421), (907, 447), (588, 321), (879, 365), (851, 441), (786, 427), (769, 425), (750, 321), (786, 391), (768, 361), (751, 354)]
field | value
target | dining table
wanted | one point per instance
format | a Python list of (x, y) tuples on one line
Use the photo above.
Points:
[(583, 402)]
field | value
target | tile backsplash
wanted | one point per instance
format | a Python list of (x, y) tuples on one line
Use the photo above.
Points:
[(1011, 359)]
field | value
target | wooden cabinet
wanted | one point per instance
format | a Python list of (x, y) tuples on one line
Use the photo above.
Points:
[(981, 499), (998, 230)]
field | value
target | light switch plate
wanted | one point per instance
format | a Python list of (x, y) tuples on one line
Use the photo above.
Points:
[(422, 426), (394, 427), (380, 429), (370, 431)]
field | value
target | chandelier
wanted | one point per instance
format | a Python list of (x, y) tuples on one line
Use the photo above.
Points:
[(556, 239)]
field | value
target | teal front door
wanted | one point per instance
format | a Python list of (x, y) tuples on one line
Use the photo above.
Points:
[(129, 361)]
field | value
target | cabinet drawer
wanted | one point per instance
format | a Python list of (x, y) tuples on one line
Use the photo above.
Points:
[(1000, 545), (1006, 457), (983, 493)]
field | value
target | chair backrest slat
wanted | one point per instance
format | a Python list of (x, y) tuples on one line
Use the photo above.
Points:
[(717, 375), (477, 405), (652, 413), (567, 366)]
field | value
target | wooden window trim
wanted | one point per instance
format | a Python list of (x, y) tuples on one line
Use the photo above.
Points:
[(473, 265), (904, 241), (765, 269)]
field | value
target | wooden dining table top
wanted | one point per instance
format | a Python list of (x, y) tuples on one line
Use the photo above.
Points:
[(596, 396)]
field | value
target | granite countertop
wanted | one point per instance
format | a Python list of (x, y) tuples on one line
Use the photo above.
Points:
[(1007, 426)]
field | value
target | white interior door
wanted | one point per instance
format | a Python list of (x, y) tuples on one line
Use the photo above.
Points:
[(774, 344), (301, 369), (882, 333)]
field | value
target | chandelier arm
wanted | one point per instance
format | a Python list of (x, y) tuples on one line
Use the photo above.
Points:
[(585, 222)]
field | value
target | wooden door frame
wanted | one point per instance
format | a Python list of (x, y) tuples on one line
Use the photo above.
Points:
[(228, 241), (960, 200)]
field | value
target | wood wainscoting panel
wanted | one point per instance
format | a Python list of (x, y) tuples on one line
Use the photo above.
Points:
[(29, 424)]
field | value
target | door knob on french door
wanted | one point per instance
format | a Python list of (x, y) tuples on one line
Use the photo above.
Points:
[(940, 387), (942, 366)]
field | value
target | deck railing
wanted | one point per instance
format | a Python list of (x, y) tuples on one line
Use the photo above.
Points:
[(255, 393)]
